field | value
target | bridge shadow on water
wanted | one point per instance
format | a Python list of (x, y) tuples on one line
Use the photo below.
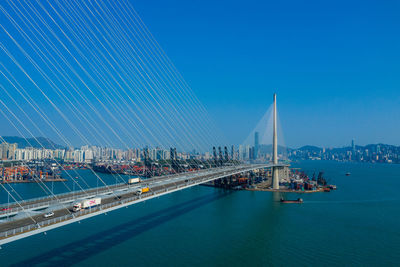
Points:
[(80, 250)]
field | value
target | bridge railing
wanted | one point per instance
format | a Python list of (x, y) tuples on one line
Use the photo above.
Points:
[(59, 219), (51, 221), (77, 192), (61, 195), (198, 180), (82, 192), (71, 194)]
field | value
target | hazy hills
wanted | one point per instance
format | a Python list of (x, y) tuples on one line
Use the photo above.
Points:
[(37, 142), (49, 144)]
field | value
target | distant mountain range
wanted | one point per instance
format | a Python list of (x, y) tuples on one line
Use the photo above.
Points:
[(309, 148), (369, 153), (314, 149), (267, 149), (370, 147), (31, 142), (49, 144)]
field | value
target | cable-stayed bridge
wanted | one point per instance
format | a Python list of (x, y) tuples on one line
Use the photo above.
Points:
[(91, 73)]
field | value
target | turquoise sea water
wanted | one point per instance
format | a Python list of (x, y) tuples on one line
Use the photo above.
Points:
[(359, 224)]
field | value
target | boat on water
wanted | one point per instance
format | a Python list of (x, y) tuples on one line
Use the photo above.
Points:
[(299, 200), (348, 174)]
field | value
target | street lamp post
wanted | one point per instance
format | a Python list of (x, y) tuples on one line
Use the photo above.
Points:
[(8, 203), (73, 187)]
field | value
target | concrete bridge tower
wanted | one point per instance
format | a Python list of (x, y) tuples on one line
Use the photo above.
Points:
[(275, 177)]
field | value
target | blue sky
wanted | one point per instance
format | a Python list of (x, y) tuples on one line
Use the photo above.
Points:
[(335, 65)]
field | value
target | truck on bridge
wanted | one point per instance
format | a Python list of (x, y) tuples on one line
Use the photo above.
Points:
[(133, 180), (87, 203), (139, 191)]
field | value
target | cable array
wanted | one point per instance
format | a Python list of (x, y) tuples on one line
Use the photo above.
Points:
[(91, 73)]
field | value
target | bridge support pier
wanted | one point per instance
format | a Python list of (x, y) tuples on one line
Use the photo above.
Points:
[(275, 178)]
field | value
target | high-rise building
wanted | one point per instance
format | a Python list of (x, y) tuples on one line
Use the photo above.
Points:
[(7, 151), (241, 152), (247, 152), (251, 153), (256, 145)]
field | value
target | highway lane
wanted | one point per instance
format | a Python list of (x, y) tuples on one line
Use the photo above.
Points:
[(37, 203), (68, 209), (119, 196)]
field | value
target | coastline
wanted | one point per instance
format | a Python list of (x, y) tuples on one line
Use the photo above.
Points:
[(34, 181)]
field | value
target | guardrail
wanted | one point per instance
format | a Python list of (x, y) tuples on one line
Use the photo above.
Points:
[(83, 192), (61, 195), (80, 213), (198, 180)]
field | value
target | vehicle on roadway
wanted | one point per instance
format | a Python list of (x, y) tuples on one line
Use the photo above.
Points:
[(134, 180), (86, 204), (142, 190), (49, 214)]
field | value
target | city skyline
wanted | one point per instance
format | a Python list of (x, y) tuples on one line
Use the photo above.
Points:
[(253, 153), (38, 141)]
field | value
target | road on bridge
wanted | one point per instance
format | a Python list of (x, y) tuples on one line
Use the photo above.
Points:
[(121, 194)]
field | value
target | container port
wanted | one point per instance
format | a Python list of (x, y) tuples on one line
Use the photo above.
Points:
[(31, 172), (292, 180)]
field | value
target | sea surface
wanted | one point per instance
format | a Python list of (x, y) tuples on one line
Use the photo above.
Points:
[(356, 225)]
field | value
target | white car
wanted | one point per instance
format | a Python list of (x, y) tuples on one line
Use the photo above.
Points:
[(49, 214)]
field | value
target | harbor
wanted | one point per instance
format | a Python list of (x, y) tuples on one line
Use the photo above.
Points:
[(46, 180), (31, 172), (294, 181)]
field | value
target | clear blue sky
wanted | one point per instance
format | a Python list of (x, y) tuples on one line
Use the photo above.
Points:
[(335, 65)]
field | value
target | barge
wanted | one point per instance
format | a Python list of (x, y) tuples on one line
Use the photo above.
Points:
[(299, 200)]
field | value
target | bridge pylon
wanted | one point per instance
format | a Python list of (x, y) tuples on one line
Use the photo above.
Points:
[(275, 175)]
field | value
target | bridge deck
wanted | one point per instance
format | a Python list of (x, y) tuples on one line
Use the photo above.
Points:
[(122, 195)]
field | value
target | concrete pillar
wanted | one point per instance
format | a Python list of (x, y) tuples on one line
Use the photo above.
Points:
[(275, 177)]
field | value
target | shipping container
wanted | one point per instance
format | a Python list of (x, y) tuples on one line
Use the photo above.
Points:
[(133, 180), (87, 203)]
